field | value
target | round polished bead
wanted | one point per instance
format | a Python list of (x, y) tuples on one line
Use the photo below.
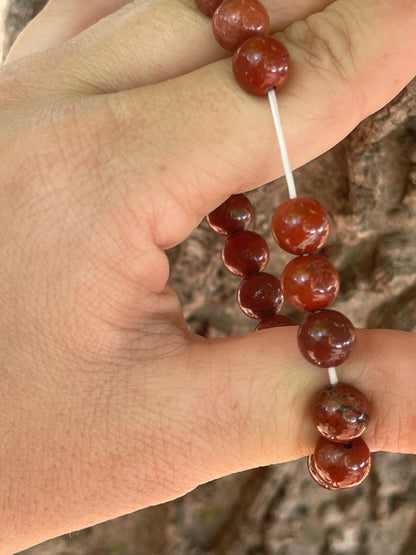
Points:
[(208, 7), (236, 20), (260, 295), (310, 282), (300, 225), (340, 465), (261, 63), (244, 253), (235, 214), (326, 338), (275, 321), (340, 412)]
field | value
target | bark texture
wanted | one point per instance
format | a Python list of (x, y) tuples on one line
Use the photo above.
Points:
[(368, 184)]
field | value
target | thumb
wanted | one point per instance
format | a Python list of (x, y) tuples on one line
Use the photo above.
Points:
[(142, 435), (253, 397), (227, 405)]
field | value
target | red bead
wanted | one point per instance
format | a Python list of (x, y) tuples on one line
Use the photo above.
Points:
[(340, 412), (237, 20), (235, 214), (261, 63), (244, 253), (260, 295), (326, 338), (310, 282), (275, 321), (208, 7), (340, 465), (300, 225)]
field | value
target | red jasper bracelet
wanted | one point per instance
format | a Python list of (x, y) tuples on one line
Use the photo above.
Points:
[(309, 282)]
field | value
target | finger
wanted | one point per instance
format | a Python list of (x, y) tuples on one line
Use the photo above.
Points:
[(142, 44), (245, 401), (223, 407), (161, 40), (258, 388), (213, 139), (58, 22)]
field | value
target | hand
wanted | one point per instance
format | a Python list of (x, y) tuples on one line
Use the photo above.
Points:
[(115, 143)]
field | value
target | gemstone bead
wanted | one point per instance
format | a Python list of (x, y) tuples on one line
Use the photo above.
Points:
[(300, 225), (208, 7), (261, 63), (326, 338), (244, 253), (340, 465), (275, 321), (260, 295), (235, 214), (236, 20), (310, 282), (340, 412)]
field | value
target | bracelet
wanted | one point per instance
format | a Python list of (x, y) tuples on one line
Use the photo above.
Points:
[(309, 282)]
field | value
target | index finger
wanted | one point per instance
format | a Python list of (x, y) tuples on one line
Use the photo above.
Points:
[(208, 139)]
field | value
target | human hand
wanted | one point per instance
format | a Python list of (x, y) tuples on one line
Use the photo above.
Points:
[(130, 136)]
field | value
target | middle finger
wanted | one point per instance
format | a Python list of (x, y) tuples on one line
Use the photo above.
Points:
[(146, 42)]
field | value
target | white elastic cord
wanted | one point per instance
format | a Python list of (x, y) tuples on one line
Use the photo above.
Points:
[(333, 377), (282, 143), (332, 372)]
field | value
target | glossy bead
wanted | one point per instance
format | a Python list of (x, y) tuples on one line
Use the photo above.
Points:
[(326, 338), (260, 295), (237, 20), (208, 7), (235, 214), (340, 465), (275, 321), (310, 282), (244, 253), (300, 225), (340, 412), (261, 63)]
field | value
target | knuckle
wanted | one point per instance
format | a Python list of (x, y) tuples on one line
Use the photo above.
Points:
[(326, 44), (12, 85)]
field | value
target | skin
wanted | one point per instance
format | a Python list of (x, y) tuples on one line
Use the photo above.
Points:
[(115, 143)]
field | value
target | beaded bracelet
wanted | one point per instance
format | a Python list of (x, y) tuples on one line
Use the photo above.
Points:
[(309, 282)]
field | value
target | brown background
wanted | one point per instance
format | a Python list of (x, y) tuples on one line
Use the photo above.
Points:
[(368, 184)]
